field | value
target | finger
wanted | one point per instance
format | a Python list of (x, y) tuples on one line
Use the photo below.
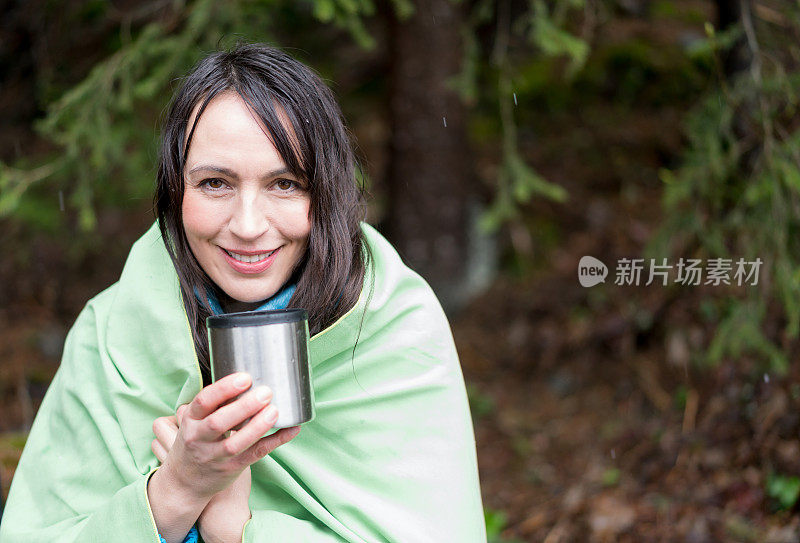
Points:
[(266, 445), (233, 414), (180, 413), (159, 451), (211, 397), (166, 429), (164, 421), (244, 438)]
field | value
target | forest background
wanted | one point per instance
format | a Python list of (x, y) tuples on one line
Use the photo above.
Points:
[(501, 141)]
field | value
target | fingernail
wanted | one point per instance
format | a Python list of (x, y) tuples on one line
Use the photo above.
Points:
[(241, 381), (271, 414), (262, 393)]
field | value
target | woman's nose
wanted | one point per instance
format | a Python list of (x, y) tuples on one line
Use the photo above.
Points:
[(249, 220)]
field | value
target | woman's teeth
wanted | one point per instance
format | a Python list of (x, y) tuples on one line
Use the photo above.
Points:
[(249, 259)]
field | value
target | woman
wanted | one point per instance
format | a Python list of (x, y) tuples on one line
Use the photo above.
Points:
[(257, 208)]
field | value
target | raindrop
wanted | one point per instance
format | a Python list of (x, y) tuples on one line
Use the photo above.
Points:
[(444, 121), (61, 200), (515, 98), (613, 454)]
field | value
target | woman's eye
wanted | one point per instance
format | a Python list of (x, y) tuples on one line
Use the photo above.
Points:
[(285, 184), (213, 184)]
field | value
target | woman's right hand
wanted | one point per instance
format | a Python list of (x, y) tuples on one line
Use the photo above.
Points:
[(202, 460)]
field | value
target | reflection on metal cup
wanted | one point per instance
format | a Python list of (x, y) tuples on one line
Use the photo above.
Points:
[(272, 346)]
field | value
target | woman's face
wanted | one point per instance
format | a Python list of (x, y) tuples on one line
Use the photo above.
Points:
[(246, 217)]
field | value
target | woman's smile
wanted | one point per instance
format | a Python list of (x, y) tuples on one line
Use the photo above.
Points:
[(250, 261), (246, 217)]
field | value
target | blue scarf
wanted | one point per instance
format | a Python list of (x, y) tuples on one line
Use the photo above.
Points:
[(278, 301)]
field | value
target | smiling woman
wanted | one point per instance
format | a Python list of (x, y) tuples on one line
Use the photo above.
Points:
[(255, 114), (257, 207)]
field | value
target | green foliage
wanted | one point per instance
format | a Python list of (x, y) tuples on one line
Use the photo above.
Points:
[(737, 195), (739, 333), (715, 41), (784, 489), (517, 183), (642, 73), (543, 30), (99, 125), (349, 14), (16, 441), (11, 445), (668, 9), (480, 403), (496, 522), (611, 477), (553, 40), (545, 68), (15, 181), (104, 125)]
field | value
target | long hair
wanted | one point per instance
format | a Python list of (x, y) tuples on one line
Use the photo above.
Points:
[(315, 147)]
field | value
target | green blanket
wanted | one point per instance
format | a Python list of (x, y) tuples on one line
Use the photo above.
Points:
[(390, 455)]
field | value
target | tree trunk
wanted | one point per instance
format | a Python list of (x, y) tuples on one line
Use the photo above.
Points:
[(731, 13), (430, 176)]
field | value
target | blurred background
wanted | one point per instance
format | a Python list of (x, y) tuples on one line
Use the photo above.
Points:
[(501, 141)]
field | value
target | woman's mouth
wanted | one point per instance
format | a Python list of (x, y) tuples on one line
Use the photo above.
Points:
[(250, 261), (249, 258)]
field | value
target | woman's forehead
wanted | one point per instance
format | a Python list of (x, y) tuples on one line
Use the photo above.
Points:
[(229, 130)]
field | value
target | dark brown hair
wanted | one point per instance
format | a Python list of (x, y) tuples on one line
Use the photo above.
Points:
[(315, 147)]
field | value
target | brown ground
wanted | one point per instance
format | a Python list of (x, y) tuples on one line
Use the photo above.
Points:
[(590, 429), (593, 420)]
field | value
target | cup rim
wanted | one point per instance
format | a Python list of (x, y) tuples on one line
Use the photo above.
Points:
[(256, 318)]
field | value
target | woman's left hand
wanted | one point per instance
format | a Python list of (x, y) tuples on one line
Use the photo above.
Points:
[(224, 517)]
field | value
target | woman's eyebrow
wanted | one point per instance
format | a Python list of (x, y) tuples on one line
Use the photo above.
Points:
[(230, 173)]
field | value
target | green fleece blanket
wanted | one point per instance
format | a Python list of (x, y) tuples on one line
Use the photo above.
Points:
[(390, 455)]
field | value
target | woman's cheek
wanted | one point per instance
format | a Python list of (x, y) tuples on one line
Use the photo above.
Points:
[(301, 220), (201, 216)]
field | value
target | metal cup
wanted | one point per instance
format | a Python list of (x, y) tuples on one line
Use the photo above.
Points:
[(272, 346)]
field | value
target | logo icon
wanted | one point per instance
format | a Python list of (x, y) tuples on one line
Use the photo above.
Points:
[(591, 271)]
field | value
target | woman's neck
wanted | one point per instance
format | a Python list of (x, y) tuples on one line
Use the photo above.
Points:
[(230, 305)]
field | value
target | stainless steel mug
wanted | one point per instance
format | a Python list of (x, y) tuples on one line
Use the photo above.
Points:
[(272, 346)]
